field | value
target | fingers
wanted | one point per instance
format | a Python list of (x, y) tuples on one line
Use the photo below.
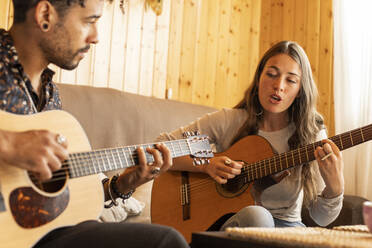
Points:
[(223, 168), (38, 151), (158, 159), (166, 156), (330, 164), (327, 152), (162, 161)]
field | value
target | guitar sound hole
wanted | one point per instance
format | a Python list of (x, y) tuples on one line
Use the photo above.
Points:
[(232, 188), (55, 184), (233, 185)]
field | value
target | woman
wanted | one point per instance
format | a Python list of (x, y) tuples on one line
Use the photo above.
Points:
[(279, 105)]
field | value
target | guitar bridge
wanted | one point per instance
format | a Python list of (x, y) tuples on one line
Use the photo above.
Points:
[(185, 197)]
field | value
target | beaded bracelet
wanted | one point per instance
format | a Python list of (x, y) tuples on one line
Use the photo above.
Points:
[(113, 191), (113, 201), (114, 187)]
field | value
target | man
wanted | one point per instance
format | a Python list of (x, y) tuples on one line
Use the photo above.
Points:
[(61, 32)]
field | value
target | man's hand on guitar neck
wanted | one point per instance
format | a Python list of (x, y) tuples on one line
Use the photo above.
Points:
[(37, 151), (144, 172)]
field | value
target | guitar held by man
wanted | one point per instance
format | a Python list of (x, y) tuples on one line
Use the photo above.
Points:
[(29, 208)]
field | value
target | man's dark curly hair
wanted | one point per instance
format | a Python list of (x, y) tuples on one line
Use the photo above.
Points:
[(22, 6)]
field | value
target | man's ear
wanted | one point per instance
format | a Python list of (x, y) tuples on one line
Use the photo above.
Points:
[(45, 15)]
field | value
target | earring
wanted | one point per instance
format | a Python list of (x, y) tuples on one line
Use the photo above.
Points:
[(45, 26)]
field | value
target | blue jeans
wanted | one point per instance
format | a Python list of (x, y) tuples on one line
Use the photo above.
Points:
[(257, 216)]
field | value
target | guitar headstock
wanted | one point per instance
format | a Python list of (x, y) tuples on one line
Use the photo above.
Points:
[(200, 149)]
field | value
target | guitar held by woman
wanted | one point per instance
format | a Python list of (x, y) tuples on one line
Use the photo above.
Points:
[(279, 106)]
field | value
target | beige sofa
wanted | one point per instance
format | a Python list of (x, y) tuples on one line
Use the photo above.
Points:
[(112, 118)]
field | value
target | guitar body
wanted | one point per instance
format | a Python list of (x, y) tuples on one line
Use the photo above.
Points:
[(207, 200), (28, 213)]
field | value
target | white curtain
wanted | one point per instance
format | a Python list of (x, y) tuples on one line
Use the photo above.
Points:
[(353, 87)]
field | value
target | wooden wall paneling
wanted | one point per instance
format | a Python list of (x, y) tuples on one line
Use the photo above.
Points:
[(276, 22), (175, 43), (246, 46), (84, 75), (4, 14), (11, 14), (118, 47), (102, 56), (254, 38), (132, 66), (288, 19), (67, 76), (300, 22), (161, 51), (200, 59), (221, 98), (188, 50), (147, 54), (265, 26), (325, 82), (234, 92), (211, 52), (312, 41), (249, 43)]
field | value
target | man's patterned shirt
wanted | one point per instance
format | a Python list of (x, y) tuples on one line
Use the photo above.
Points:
[(14, 81)]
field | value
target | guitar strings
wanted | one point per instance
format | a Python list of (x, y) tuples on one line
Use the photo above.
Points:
[(245, 172), (248, 169), (253, 169), (96, 163)]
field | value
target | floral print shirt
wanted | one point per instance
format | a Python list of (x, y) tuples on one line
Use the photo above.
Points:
[(16, 92)]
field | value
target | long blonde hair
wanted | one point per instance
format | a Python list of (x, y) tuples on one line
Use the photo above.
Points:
[(302, 112)]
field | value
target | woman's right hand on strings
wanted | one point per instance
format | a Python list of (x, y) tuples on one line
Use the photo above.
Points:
[(38, 151), (222, 168)]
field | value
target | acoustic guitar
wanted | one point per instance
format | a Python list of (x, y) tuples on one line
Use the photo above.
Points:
[(29, 209), (192, 202)]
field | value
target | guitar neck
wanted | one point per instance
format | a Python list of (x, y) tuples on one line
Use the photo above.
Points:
[(94, 162), (304, 154)]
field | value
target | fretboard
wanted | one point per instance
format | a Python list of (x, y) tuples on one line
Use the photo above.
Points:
[(303, 154), (94, 162)]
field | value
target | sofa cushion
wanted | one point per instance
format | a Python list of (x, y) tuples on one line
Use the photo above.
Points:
[(351, 213), (113, 118)]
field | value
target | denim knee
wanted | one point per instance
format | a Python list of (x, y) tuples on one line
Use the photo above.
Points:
[(251, 216)]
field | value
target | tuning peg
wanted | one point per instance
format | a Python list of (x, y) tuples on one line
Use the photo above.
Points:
[(186, 134), (196, 162)]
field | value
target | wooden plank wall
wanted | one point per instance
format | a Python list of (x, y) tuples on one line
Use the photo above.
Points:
[(205, 51), (310, 23), (213, 46), (213, 55), (6, 13), (132, 53)]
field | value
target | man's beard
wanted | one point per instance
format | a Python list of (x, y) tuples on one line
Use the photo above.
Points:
[(56, 50), (62, 58)]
